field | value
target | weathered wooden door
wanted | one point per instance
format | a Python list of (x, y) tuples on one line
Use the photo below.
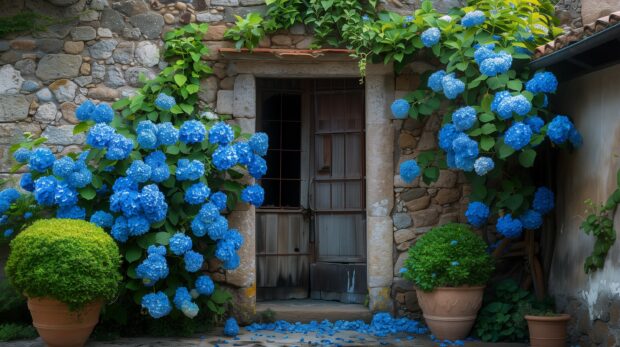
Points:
[(311, 230)]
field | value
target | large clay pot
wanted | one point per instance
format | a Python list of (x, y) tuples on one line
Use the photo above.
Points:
[(60, 327), (450, 313), (547, 331)]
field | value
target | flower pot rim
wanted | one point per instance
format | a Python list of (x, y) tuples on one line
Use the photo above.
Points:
[(464, 287), (559, 317)]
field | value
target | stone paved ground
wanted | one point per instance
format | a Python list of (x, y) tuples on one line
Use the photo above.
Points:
[(270, 339)]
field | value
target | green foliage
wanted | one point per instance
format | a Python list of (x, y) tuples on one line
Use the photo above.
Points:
[(502, 315), (9, 332), (26, 21), (13, 307), (450, 255), (247, 32), (600, 223), (72, 261)]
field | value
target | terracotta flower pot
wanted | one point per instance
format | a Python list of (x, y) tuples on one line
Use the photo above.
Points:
[(60, 327), (450, 313), (547, 331)]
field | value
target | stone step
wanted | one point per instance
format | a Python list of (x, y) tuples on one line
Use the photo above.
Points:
[(308, 310)]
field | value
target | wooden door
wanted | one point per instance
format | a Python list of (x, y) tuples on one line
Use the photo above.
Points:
[(311, 233), (337, 191)]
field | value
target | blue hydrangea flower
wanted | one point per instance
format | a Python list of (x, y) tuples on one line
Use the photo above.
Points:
[(484, 52), (41, 159), (225, 157), (26, 182), (119, 231), (205, 285), (137, 225), (71, 212), (531, 219), (365, 18), (164, 101), (430, 37), (409, 170), (509, 227), (102, 219), (190, 309), (464, 118), (232, 263), (518, 104), (154, 249), (197, 193), (103, 113), (63, 167), (127, 202), (259, 143), (434, 81), (244, 152), (224, 250), (124, 183), (219, 200), (157, 304), (535, 123), (217, 229), (80, 178), (192, 131), (27, 215), (400, 108), (199, 227), (153, 203), (7, 197), (193, 261), (22, 155), (8, 232), (477, 213), (45, 190), (498, 98), (483, 165), (139, 171), (447, 134), (100, 135), (152, 269), (542, 82), (159, 169), (221, 133), (473, 18), (180, 243), (181, 296), (147, 139), (234, 237), (257, 167), (575, 138), (497, 64), (208, 212), (119, 148), (167, 134), (231, 328), (455, 263), (454, 243), (518, 136), (465, 152), (189, 170), (559, 129), (253, 194), (543, 200), (65, 196), (452, 86), (84, 111)]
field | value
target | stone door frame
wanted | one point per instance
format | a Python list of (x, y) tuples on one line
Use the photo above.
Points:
[(379, 93)]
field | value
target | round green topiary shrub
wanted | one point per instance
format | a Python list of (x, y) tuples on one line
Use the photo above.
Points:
[(448, 256), (69, 260)]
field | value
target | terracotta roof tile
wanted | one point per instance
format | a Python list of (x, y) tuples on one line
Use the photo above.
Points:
[(577, 34)]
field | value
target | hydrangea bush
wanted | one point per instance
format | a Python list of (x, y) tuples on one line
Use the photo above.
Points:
[(159, 178)]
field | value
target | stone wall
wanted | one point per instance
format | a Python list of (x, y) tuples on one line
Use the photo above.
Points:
[(593, 300)]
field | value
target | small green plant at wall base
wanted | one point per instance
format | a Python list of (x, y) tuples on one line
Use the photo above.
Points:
[(600, 224), (72, 261), (501, 318), (9, 332), (450, 255)]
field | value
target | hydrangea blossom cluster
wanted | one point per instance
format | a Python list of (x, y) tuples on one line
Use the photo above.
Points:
[(508, 104), (430, 37), (192, 131), (561, 129), (491, 63), (542, 82), (400, 108), (103, 136), (509, 227), (157, 304), (101, 113), (409, 170), (221, 133), (543, 200), (477, 213), (464, 118), (531, 219), (138, 209), (483, 165), (451, 86), (7, 197), (164, 101), (518, 136), (231, 328), (151, 136), (154, 267), (473, 18)]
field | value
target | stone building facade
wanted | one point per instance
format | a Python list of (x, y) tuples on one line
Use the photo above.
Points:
[(103, 46)]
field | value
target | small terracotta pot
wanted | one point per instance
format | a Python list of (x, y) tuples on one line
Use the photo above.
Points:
[(60, 327), (449, 312), (547, 331)]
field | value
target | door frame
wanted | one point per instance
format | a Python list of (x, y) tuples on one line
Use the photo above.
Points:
[(379, 154)]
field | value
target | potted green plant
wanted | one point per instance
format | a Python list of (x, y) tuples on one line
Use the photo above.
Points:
[(450, 267), (547, 328), (66, 268)]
